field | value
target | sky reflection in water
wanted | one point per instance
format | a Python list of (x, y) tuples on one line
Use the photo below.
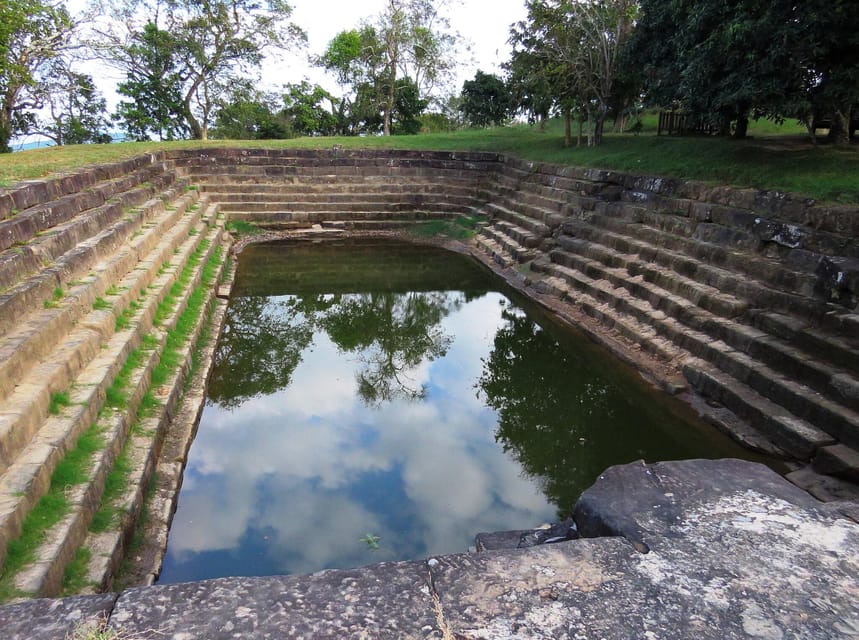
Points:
[(424, 427)]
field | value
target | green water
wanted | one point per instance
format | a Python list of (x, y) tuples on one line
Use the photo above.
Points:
[(376, 401)]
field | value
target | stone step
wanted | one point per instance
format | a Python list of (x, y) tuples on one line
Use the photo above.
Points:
[(494, 250), (230, 173), (644, 279), (841, 350), (757, 293), (129, 190), (28, 476), (107, 549), (533, 225), (44, 576), (32, 193), (30, 256), (34, 336), (329, 182), (335, 193), (303, 218), (690, 238), (394, 204), (793, 435), (828, 414), (521, 236), (625, 324), (507, 245), (56, 271)]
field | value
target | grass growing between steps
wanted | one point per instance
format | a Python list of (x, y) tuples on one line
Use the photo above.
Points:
[(774, 157), (166, 306), (58, 402), (108, 515), (74, 577), (462, 228), (51, 508), (241, 228)]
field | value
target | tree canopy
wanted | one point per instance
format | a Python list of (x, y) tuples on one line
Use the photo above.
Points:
[(180, 56), (485, 100), (733, 60), (33, 33)]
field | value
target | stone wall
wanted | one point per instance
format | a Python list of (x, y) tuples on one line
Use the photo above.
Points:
[(742, 302)]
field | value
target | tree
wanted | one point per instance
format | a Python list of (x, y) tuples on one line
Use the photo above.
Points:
[(485, 100), (304, 110), (250, 114), (32, 34), (209, 43), (576, 44), (154, 84), (529, 85), (76, 111), (409, 39), (733, 60)]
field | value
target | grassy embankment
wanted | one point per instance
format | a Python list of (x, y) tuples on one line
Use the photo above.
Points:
[(775, 157)]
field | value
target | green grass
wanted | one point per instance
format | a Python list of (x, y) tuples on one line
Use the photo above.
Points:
[(50, 509), (116, 482), (241, 228), (461, 228), (56, 295), (112, 290), (116, 396), (58, 401), (101, 304), (775, 157), (74, 577)]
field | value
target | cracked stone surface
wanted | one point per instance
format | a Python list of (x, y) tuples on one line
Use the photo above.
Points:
[(389, 600), (54, 619), (696, 549)]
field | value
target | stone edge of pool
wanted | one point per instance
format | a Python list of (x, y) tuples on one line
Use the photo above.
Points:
[(710, 549)]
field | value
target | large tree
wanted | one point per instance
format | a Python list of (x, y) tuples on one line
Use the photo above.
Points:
[(485, 100), (576, 46), (732, 60), (210, 44), (74, 111), (33, 33), (409, 39)]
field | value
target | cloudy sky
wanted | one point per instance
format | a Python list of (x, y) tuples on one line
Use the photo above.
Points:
[(485, 25)]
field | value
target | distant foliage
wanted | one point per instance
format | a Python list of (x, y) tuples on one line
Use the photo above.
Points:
[(34, 34), (486, 100), (731, 61)]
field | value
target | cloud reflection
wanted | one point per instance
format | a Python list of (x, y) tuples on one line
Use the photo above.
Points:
[(311, 469)]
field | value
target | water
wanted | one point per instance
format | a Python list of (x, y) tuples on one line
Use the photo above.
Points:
[(377, 401)]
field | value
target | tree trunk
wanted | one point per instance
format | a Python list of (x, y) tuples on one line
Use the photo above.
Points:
[(599, 125), (742, 127), (581, 133), (389, 107), (5, 131), (839, 132), (568, 128)]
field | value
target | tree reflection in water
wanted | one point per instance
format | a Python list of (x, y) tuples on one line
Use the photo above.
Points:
[(550, 407), (390, 333)]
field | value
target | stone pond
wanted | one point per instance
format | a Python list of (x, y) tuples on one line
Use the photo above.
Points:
[(742, 304)]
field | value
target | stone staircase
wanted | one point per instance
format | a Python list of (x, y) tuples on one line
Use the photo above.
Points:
[(97, 318), (356, 190), (107, 277), (737, 289)]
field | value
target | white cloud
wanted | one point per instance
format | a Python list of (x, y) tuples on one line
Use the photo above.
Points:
[(297, 459)]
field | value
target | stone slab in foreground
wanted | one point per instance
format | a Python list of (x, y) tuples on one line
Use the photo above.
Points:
[(695, 549), (733, 551)]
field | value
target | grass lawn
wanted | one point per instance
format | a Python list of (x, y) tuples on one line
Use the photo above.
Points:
[(775, 157)]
